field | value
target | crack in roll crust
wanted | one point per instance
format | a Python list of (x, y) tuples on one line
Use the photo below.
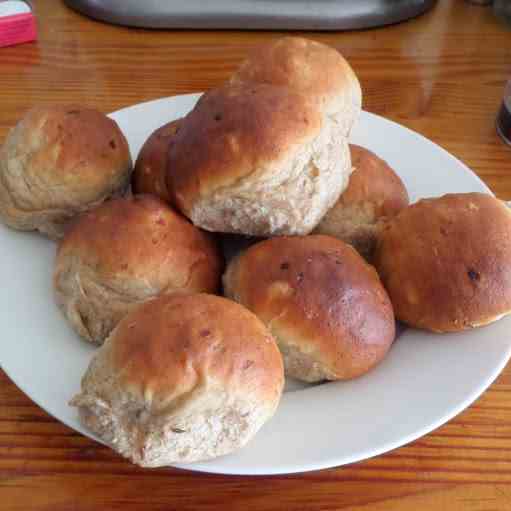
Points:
[(125, 252), (182, 378), (324, 304), (58, 162)]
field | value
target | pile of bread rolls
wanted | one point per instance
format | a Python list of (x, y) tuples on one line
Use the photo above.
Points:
[(329, 252)]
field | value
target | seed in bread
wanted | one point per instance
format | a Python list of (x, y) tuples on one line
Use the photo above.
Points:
[(57, 162), (182, 378), (446, 262), (125, 252), (325, 306), (257, 160), (374, 193), (149, 175), (315, 69)]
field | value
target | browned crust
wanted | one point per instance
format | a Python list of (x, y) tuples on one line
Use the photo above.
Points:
[(235, 132), (149, 175), (375, 183), (446, 262), (309, 66), (317, 293), (74, 148), (374, 193), (170, 344), (142, 238)]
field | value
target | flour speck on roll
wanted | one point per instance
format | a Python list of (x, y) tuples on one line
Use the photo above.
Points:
[(125, 252), (325, 306), (58, 162), (267, 154), (182, 378), (446, 262)]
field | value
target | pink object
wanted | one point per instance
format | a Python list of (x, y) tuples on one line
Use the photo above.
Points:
[(17, 28)]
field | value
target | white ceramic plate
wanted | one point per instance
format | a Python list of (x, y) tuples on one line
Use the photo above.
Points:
[(425, 380)]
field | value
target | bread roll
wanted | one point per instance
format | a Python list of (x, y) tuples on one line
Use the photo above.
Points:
[(257, 160), (446, 262), (59, 161), (315, 69), (125, 252), (323, 303), (149, 175), (182, 378), (374, 193)]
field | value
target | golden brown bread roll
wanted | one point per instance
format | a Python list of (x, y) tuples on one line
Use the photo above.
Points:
[(315, 69), (182, 378), (325, 306), (257, 160), (374, 193), (149, 174), (446, 262), (125, 252), (57, 162)]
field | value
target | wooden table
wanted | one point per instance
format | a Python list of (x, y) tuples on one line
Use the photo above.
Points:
[(441, 74)]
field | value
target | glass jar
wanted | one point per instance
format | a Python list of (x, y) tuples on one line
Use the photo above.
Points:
[(502, 9), (504, 116)]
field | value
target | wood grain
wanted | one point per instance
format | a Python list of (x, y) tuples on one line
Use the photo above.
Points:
[(441, 74)]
